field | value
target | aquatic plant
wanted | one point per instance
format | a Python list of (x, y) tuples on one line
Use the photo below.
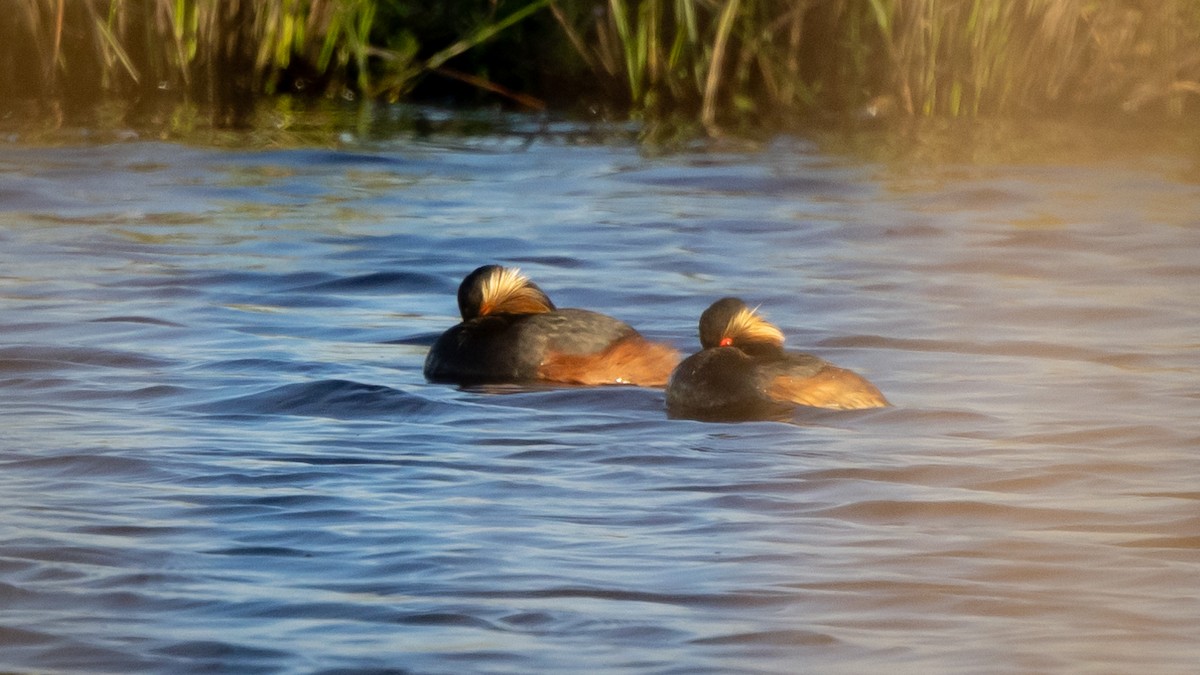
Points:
[(714, 64), (223, 52), (771, 58), (974, 56), (227, 52)]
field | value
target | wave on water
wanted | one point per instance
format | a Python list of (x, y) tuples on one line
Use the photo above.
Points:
[(148, 320), (337, 399), (417, 340), (37, 357), (381, 282)]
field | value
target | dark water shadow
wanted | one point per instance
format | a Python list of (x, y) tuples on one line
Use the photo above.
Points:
[(337, 399)]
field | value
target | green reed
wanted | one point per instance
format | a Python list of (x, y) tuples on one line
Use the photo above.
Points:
[(193, 47), (228, 50), (768, 58), (715, 64)]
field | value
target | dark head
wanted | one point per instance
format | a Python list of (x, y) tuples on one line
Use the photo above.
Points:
[(729, 322), (493, 289)]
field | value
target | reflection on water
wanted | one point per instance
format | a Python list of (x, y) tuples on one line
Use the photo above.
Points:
[(219, 451)]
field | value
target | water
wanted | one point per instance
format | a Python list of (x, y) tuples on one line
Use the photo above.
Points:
[(219, 453)]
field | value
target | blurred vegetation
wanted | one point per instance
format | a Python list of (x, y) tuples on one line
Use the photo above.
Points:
[(700, 64)]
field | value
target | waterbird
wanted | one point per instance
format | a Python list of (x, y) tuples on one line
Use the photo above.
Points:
[(512, 333), (743, 371)]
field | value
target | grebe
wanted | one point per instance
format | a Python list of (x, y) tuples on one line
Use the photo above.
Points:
[(744, 372), (511, 332)]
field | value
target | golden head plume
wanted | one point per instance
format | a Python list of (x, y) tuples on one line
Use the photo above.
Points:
[(505, 290), (746, 325)]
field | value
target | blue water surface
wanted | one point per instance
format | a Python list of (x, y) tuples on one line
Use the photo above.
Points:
[(219, 452)]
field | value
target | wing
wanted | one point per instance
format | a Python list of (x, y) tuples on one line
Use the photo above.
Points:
[(631, 360), (828, 387)]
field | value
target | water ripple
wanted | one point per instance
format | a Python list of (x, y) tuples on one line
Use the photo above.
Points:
[(338, 399), (219, 451)]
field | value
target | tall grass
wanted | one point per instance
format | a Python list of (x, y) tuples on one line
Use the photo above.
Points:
[(772, 58), (974, 56), (226, 52), (217, 51), (719, 63)]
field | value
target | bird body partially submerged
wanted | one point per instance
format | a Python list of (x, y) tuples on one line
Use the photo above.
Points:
[(511, 333), (743, 371)]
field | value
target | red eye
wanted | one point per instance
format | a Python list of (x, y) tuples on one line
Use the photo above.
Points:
[(725, 342)]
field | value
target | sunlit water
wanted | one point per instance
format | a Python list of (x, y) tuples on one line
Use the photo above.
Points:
[(218, 450)]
